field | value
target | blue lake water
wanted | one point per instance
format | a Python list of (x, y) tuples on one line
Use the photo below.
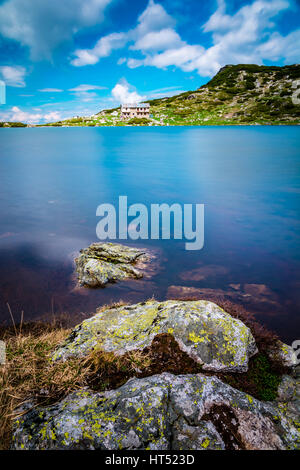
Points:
[(52, 181)]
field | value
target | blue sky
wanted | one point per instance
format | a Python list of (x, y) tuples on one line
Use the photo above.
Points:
[(63, 58)]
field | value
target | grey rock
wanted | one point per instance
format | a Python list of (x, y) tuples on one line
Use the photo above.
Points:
[(287, 388), (101, 263), (208, 334), (288, 396), (190, 437), (283, 354), (160, 412)]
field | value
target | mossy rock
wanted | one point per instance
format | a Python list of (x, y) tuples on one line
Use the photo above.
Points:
[(162, 412), (101, 263), (208, 334)]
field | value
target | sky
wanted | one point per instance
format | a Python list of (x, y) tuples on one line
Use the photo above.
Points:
[(63, 58)]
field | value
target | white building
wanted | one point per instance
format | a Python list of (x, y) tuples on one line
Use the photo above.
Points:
[(141, 110)]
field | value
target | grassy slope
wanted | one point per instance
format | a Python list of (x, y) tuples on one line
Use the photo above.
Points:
[(238, 94)]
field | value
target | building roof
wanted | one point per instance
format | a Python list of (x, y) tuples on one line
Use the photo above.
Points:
[(135, 105)]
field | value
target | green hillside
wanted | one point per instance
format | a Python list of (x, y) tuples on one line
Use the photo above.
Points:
[(238, 94)]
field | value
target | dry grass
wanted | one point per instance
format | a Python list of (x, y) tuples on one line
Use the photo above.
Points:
[(30, 374), (112, 305)]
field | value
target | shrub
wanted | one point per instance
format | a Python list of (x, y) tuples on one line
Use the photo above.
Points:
[(141, 121)]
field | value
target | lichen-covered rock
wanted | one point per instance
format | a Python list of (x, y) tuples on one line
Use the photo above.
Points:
[(283, 354), (288, 396), (159, 413), (101, 263), (204, 436), (203, 330), (287, 388)]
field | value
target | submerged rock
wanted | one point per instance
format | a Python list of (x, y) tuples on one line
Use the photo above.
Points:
[(208, 334), (250, 294), (101, 263), (161, 412)]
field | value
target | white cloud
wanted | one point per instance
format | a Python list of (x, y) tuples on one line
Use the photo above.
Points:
[(247, 36), (52, 116), (81, 88), (103, 48), (51, 90), (183, 57), (153, 20), (15, 114), (277, 45), (44, 25), (158, 40), (13, 76), (86, 96), (238, 38), (86, 92), (122, 94)]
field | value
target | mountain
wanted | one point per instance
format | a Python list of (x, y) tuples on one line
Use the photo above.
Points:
[(238, 94)]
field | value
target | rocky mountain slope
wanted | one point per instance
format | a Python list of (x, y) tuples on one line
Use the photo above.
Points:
[(238, 94)]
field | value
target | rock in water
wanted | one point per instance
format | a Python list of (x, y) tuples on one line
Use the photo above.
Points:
[(203, 330), (101, 263), (161, 412)]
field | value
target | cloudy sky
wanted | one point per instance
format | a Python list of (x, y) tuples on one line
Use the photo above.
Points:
[(62, 58)]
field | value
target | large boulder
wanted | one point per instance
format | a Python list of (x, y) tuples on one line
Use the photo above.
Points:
[(158, 413), (203, 330), (101, 263)]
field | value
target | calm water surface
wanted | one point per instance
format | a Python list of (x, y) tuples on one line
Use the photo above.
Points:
[(52, 181)]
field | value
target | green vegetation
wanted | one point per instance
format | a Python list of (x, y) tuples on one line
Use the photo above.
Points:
[(139, 121), (261, 381), (12, 124), (265, 378)]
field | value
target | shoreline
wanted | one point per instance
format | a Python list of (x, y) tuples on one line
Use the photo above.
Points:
[(283, 124)]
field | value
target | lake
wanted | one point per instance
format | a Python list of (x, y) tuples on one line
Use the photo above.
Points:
[(248, 177)]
